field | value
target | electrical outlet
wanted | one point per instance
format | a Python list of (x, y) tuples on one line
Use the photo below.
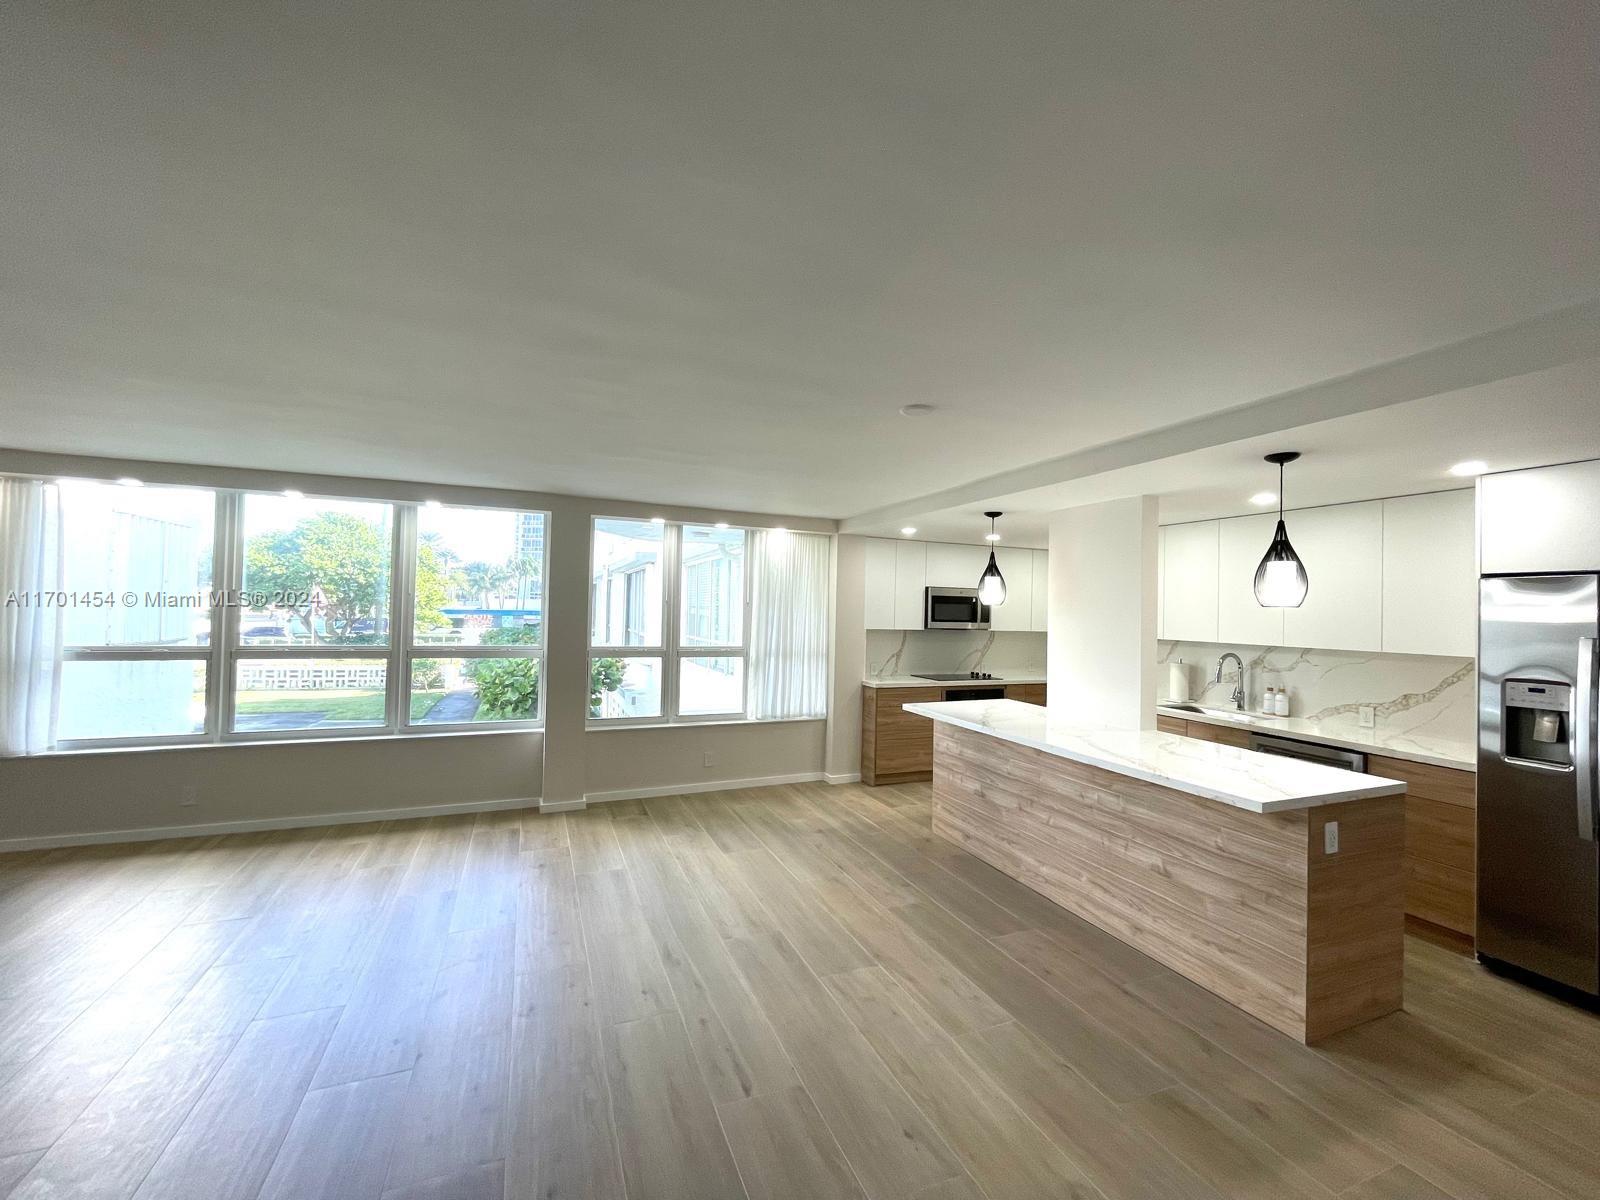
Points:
[(188, 796), (708, 759), (1330, 838), (1367, 715)]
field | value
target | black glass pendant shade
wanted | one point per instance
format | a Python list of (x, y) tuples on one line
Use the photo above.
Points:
[(1281, 580), (992, 584)]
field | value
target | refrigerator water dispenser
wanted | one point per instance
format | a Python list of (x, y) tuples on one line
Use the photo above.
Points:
[(1537, 721)]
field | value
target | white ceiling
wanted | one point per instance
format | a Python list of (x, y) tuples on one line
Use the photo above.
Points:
[(1543, 417), (702, 252)]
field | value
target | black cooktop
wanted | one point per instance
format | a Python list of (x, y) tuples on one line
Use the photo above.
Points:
[(964, 675)]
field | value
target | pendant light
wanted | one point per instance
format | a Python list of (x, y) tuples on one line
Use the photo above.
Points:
[(1281, 578), (992, 584)]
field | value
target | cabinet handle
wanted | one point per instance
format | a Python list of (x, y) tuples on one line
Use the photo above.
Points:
[(1585, 720)]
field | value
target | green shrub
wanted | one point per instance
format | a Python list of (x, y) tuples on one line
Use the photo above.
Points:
[(508, 688)]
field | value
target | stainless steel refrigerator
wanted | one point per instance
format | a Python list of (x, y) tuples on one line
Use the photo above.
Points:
[(1538, 858)]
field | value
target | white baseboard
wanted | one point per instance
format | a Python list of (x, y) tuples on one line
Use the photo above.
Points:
[(684, 789), (307, 821), (853, 777)]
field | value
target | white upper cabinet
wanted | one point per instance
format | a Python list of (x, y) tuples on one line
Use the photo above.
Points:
[(1041, 591), (1189, 582), (898, 571), (879, 608), (1544, 519), (1342, 549), (910, 577), (1430, 580), (950, 565), (1016, 566), (1240, 618), (1161, 582)]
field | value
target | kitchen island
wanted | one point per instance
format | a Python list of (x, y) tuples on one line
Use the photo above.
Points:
[(1275, 883)]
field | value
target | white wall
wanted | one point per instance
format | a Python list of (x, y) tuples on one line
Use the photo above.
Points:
[(843, 758), (141, 792), (72, 796), (1102, 636)]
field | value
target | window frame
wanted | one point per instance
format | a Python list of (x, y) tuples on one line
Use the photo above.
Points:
[(670, 650), (130, 653), (224, 652), (413, 652)]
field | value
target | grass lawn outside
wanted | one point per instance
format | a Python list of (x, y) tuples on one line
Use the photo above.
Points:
[(360, 705)]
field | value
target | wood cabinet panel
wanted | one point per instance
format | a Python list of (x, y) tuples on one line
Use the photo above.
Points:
[(896, 746), (1442, 895), (1218, 733), (1028, 693), (1445, 784), (1246, 904), (1441, 841), (1172, 725)]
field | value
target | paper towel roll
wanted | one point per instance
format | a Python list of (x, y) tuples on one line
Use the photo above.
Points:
[(1178, 682)]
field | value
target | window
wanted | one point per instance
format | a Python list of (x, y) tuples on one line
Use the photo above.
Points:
[(667, 627), (477, 624), (314, 605), (137, 611), (189, 615)]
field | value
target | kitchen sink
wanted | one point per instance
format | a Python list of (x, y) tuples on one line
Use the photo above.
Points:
[(1221, 714)]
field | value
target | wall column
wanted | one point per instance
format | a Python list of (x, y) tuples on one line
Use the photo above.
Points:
[(1101, 646)]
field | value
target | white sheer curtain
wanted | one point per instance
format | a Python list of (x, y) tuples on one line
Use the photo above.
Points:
[(789, 581), (30, 632)]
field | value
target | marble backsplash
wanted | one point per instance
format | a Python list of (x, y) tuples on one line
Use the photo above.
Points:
[(1408, 693), (907, 652)]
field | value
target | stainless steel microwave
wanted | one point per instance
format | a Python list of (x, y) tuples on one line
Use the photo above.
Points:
[(953, 608)]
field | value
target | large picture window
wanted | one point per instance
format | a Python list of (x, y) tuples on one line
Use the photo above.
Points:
[(667, 622), (476, 652), (135, 610), (189, 615)]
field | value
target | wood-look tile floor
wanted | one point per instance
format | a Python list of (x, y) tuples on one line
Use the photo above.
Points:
[(792, 992)]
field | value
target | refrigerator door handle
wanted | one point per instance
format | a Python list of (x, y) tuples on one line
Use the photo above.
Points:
[(1584, 750)]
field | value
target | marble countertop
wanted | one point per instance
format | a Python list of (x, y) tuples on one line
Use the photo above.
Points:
[(1260, 783), (894, 681), (1412, 746)]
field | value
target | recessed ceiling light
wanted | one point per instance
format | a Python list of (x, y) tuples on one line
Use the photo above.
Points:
[(908, 530), (130, 481), (658, 520), (291, 494), (721, 525), (1264, 498), (915, 410), (779, 529), (1473, 466), (431, 504), (991, 537)]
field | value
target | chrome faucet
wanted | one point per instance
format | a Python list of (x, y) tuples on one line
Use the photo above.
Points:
[(1238, 692)]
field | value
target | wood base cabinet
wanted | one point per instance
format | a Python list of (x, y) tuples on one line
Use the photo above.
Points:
[(1441, 842), (897, 747), (1441, 829)]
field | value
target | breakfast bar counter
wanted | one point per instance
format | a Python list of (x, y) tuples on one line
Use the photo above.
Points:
[(1276, 883)]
